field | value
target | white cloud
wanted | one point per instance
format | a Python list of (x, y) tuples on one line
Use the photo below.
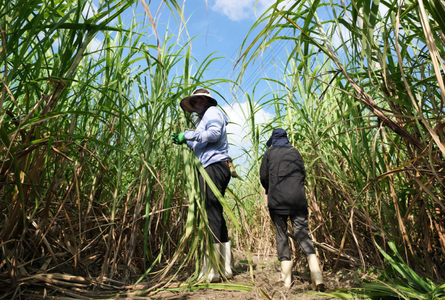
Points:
[(95, 45), (89, 11), (238, 10), (383, 10), (238, 129), (341, 34)]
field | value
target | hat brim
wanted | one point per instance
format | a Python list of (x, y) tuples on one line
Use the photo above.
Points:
[(187, 106)]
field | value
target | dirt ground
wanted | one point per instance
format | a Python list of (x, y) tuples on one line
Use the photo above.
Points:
[(266, 273)]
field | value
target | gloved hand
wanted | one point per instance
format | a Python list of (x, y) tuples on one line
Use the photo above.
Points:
[(178, 138)]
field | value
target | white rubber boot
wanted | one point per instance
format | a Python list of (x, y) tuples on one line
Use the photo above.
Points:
[(213, 275), (226, 260), (286, 273), (316, 274)]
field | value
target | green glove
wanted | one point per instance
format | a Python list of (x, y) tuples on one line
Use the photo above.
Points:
[(178, 138)]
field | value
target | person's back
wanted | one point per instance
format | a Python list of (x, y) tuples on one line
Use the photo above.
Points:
[(282, 175), (286, 175)]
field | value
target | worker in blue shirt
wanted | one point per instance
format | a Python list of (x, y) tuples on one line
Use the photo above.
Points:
[(210, 145)]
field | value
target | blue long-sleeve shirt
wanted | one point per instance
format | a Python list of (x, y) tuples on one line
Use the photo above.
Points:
[(209, 140)]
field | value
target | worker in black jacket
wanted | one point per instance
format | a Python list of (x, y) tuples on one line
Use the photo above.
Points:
[(282, 175)]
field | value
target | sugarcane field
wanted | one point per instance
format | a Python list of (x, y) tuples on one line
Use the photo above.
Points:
[(222, 149)]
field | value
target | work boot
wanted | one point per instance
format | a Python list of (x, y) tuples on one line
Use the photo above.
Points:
[(213, 275), (286, 273), (316, 275), (226, 260)]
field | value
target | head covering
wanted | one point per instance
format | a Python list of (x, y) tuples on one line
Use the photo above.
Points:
[(189, 103), (278, 138)]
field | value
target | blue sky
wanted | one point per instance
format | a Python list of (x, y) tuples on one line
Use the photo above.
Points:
[(219, 26)]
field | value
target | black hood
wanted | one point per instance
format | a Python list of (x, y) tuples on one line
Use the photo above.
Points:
[(278, 138)]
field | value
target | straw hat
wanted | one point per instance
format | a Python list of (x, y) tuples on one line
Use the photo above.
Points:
[(189, 103)]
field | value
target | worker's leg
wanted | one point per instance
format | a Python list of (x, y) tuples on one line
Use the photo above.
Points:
[(301, 232), (280, 222), (220, 175)]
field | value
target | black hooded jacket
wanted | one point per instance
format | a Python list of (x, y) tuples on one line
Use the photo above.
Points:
[(282, 175)]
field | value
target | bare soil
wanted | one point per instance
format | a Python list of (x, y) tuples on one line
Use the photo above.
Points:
[(266, 272), (265, 284)]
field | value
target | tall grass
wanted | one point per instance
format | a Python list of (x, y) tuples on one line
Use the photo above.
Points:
[(91, 183), (361, 93), (396, 280)]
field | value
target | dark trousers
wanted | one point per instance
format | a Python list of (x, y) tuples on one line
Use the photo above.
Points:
[(301, 232), (220, 174)]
